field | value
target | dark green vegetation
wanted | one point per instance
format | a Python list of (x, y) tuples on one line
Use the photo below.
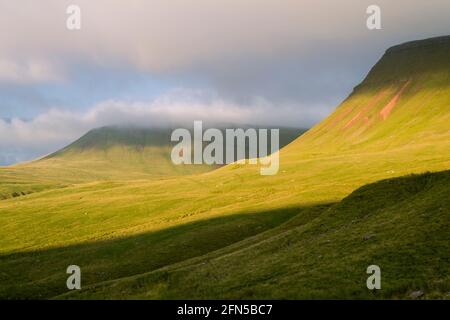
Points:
[(232, 233), (115, 258)]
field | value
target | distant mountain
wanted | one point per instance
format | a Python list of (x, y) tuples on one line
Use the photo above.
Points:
[(137, 139), (118, 152), (136, 149), (108, 153)]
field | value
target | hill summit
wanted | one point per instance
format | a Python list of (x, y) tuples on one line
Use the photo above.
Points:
[(403, 100), (115, 151)]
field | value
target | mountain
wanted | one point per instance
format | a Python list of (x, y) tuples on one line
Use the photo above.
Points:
[(108, 153), (349, 194), (122, 153), (141, 149), (403, 101)]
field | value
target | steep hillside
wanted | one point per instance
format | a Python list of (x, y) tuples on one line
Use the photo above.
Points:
[(404, 101)]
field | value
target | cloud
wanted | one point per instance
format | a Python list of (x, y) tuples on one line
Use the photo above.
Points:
[(297, 52), (174, 35), (22, 140), (275, 61)]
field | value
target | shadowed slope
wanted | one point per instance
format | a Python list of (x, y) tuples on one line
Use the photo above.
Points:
[(399, 224), (41, 273)]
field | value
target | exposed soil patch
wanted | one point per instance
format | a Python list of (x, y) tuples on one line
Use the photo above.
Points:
[(366, 109), (352, 120), (386, 111)]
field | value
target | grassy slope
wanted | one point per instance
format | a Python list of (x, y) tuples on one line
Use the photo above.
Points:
[(120, 229), (400, 224), (419, 74), (108, 153)]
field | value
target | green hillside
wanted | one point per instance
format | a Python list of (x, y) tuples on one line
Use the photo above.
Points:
[(108, 153), (264, 236), (323, 251), (404, 101), (121, 153)]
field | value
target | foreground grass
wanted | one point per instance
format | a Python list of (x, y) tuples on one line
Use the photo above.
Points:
[(401, 225), (41, 273), (120, 229)]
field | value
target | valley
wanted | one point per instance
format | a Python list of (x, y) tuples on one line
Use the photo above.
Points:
[(367, 185)]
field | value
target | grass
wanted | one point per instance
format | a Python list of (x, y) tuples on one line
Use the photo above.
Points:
[(106, 154), (90, 215), (399, 224), (134, 254), (232, 233)]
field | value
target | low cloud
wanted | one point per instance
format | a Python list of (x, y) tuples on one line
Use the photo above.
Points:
[(22, 140)]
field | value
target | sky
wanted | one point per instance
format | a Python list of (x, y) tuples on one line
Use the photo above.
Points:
[(159, 62)]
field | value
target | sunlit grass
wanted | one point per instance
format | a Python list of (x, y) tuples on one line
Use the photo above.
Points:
[(232, 233)]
